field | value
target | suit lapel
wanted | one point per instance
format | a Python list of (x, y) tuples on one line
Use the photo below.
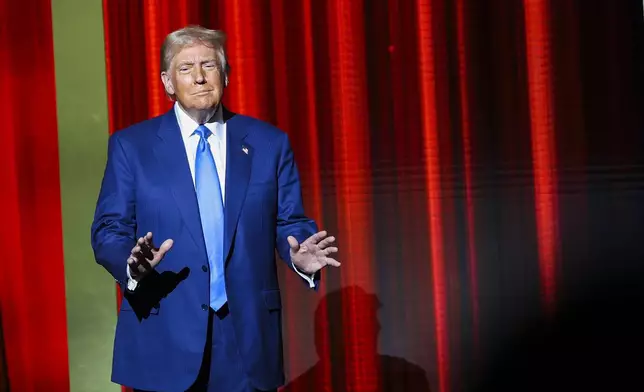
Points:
[(239, 157), (171, 153)]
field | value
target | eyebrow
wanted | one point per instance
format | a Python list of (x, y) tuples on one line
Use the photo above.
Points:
[(187, 62)]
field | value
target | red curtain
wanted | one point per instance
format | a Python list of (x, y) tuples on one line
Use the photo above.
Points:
[(32, 300), (457, 149)]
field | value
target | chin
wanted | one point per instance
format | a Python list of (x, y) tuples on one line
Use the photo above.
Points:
[(204, 103)]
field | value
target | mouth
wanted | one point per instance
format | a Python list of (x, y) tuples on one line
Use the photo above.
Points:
[(201, 93)]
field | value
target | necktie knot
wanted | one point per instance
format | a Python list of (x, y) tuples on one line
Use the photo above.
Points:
[(203, 132)]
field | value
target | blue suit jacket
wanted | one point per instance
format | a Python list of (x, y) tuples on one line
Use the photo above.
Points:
[(147, 186)]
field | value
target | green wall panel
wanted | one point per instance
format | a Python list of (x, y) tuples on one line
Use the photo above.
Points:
[(83, 131)]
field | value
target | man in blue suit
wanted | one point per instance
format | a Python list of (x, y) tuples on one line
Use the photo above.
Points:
[(202, 310)]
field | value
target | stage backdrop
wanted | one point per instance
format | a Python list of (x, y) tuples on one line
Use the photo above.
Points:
[(461, 152), (479, 162)]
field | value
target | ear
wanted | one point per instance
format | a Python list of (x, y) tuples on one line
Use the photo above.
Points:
[(167, 83), (226, 80)]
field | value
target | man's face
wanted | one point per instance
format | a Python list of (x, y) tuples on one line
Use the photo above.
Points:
[(195, 78)]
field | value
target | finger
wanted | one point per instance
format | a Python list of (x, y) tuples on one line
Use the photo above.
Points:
[(148, 239), (137, 247), (164, 248), (159, 254), (136, 250), (142, 255), (326, 242), (332, 262), (329, 250), (133, 265), (147, 251), (292, 242), (317, 237), (138, 255), (145, 245), (141, 252), (131, 261)]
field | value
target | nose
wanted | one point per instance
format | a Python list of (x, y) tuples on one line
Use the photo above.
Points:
[(200, 77)]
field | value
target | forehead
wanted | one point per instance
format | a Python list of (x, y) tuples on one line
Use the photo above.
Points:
[(194, 52)]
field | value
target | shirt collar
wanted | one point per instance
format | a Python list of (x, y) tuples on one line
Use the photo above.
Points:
[(187, 125)]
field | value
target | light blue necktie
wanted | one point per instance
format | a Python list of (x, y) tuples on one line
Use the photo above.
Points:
[(211, 209)]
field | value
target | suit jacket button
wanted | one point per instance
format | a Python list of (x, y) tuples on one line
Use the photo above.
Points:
[(204, 307), (204, 268)]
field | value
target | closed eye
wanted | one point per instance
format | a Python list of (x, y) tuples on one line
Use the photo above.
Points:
[(185, 67)]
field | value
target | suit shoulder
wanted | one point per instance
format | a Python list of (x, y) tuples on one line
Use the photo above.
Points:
[(139, 131), (261, 129)]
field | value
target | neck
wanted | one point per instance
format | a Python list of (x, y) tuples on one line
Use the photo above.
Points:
[(200, 116)]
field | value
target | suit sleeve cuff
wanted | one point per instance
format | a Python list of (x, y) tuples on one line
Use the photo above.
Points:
[(308, 278)]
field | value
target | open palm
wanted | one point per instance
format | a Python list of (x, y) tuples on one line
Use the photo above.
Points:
[(313, 254), (144, 257)]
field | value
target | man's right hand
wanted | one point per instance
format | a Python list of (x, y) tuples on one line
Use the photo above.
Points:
[(145, 256)]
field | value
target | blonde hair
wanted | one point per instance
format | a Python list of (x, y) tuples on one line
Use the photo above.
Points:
[(193, 35)]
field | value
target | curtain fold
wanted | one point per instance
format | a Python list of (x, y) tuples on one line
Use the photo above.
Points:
[(4, 377), (32, 300)]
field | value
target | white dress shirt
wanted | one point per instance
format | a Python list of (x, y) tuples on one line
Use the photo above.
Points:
[(217, 143)]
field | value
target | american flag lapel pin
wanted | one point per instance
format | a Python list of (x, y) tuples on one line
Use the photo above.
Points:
[(245, 150)]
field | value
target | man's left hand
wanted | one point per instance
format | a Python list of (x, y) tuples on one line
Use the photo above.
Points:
[(313, 254)]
